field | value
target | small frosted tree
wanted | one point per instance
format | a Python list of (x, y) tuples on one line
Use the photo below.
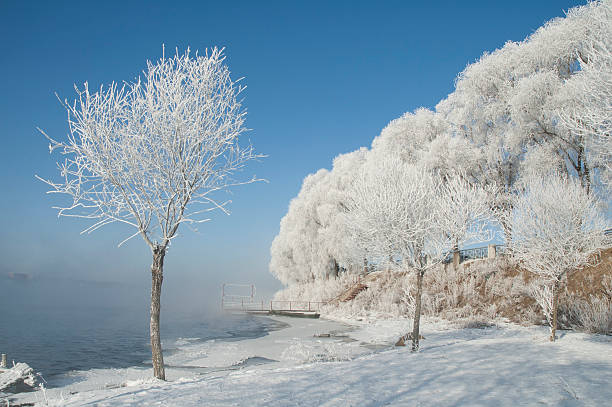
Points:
[(557, 229), (151, 153), (400, 209)]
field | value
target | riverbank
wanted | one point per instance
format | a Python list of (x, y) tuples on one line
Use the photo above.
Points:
[(288, 341), (497, 365)]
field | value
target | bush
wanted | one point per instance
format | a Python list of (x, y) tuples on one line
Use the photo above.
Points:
[(300, 352), (592, 315)]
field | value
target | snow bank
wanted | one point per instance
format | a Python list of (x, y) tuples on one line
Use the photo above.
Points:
[(18, 378)]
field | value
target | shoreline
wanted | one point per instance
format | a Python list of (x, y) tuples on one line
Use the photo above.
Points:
[(499, 365), (272, 347), (293, 341)]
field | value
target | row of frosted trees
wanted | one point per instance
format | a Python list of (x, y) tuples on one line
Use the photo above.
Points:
[(521, 146)]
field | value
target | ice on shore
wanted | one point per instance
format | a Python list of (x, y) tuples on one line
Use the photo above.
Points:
[(20, 377), (217, 354)]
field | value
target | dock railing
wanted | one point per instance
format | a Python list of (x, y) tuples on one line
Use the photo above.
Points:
[(244, 305), (229, 303), (296, 305)]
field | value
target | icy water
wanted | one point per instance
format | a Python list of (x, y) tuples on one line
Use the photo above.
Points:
[(61, 326)]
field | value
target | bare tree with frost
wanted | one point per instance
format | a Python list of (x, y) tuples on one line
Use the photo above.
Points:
[(151, 154), (396, 208), (557, 229)]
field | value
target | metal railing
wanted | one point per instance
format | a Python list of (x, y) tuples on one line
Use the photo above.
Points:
[(475, 253), (247, 303), (262, 306), (296, 305), (241, 304)]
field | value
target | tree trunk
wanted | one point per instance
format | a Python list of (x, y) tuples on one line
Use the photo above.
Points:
[(555, 306), (582, 169), (417, 312), (336, 268), (157, 276), (507, 229), (587, 178)]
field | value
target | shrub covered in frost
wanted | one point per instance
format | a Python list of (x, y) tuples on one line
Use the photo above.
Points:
[(301, 352)]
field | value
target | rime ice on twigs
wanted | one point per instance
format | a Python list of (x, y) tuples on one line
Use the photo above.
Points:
[(151, 154)]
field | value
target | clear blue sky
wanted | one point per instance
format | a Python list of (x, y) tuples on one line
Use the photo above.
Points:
[(323, 77)]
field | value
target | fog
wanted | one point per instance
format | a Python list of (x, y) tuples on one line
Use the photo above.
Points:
[(58, 324), (184, 294), (64, 266)]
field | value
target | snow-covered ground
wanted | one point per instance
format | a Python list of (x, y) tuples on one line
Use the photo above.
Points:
[(503, 365)]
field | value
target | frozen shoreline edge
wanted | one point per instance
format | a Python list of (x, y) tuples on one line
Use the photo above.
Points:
[(185, 364)]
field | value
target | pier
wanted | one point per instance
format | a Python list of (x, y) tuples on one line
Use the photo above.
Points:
[(241, 298)]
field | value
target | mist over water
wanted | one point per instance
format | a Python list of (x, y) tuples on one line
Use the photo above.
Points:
[(60, 325)]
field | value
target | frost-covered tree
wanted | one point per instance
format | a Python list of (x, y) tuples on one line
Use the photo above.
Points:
[(464, 213), (297, 246), (450, 156), (557, 229), (546, 61), (410, 135), (588, 100), (397, 208), (151, 154), (478, 112), (341, 250), (313, 242), (508, 104), (528, 109)]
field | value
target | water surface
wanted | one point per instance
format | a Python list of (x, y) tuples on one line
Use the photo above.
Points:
[(58, 326)]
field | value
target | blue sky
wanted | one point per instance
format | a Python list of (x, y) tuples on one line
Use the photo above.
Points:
[(323, 78)]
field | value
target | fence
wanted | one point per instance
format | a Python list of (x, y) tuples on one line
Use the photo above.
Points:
[(238, 297), (296, 305), (229, 304), (241, 297), (475, 253)]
